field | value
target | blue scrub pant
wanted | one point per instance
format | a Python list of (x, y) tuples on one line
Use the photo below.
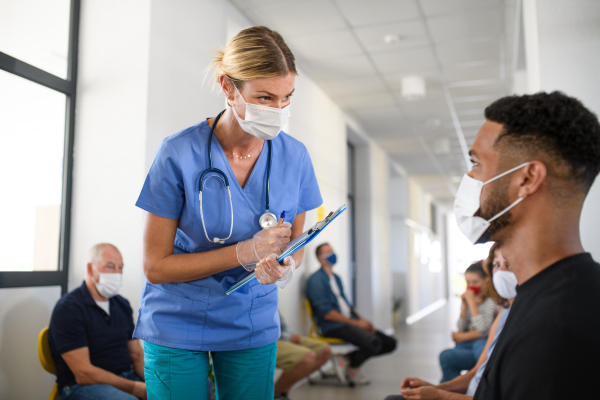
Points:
[(178, 374)]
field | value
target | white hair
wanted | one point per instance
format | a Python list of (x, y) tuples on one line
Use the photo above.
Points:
[(96, 252)]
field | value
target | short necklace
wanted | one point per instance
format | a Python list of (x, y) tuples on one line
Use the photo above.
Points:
[(240, 157)]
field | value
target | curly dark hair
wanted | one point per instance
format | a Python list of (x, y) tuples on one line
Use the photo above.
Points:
[(554, 124)]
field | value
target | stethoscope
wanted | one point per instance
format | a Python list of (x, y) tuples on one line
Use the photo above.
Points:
[(266, 220)]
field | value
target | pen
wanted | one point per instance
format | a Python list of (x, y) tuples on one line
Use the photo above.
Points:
[(281, 219)]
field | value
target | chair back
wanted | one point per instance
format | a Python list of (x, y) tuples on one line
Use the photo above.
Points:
[(46, 360), (314, 331), (44, 352)]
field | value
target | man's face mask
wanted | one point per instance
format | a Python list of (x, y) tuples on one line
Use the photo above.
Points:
[(109, 284), (331, 259), (468, 202)]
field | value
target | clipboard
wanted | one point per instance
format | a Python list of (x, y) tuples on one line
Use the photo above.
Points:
[(295, 245)]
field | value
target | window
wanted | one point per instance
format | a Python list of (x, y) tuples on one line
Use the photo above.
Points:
[(38, 69)]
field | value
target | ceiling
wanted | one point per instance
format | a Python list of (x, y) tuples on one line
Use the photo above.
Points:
[(462, 48)]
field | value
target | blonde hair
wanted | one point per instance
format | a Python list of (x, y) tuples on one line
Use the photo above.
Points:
[(255, 52)]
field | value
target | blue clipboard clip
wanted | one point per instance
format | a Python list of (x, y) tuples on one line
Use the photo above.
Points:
[(295, 245)]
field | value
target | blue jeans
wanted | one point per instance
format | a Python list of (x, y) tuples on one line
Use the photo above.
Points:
[(178, 374), (99, 392), (463, 357)]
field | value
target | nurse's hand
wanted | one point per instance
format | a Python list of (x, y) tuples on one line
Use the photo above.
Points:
[(268, 271), (267, 241)]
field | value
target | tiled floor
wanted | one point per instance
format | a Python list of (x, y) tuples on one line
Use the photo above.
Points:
[(417, 353)]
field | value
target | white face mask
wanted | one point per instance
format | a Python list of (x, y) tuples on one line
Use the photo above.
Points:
[(261, 121), (505, 283), (467, 203), (109, 284)]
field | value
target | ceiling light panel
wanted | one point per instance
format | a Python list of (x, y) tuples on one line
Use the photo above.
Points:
[(467, 51), (472, 73), (443, 7), (361, 12), (411, 34), (333, 44), (467, 25), (301, 17), (338, 68), (409, 61), (353, 86)]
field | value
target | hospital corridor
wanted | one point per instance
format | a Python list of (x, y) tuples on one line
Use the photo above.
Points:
[(299, 199)]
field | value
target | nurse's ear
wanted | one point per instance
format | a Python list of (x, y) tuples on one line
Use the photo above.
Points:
[(227, 87)]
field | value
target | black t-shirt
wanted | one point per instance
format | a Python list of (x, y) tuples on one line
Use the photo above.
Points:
[(77, 321), (550, 345)]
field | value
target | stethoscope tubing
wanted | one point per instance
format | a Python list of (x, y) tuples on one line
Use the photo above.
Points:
[(221, 175)]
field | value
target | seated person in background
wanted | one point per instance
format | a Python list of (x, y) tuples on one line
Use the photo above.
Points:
[(476, 318), (299, 357), (464, 386), (337, 318), (90, 336)]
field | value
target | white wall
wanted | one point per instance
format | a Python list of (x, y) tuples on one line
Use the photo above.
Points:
[(568, 34), (23, 314), (110, 136)]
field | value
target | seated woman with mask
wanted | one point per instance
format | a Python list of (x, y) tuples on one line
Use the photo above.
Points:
[(476, 318), (463, 387)]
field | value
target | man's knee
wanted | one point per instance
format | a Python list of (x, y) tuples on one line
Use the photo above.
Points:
[(325, 354), (309, 359)]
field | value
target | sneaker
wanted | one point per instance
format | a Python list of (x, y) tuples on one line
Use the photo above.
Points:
[(356, 376), (340, 367)]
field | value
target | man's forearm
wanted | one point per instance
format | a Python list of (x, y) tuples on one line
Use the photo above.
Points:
[(98, 376), (335, 316), (138, 367), (460, 384), (454, 396)]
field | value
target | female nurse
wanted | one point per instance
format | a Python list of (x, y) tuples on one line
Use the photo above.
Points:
[(198, 243)]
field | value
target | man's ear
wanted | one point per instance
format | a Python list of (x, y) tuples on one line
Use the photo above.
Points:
[(532, 176), (89, 269)]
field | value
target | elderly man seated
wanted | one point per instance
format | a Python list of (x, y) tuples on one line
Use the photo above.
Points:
[(90, 336), (337, 318)]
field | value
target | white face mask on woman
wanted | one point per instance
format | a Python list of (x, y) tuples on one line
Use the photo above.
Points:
[(467, 202), (261, 121), (109, 284), (505, 283)]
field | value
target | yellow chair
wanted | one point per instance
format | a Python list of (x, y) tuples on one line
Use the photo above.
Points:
[(339, 348), (314, 331), (46, 360)]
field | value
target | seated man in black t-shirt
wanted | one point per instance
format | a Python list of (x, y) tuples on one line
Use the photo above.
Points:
[(544, 151), (91, 336)]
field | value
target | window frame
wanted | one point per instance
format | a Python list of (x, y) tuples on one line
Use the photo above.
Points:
[(60, 277)]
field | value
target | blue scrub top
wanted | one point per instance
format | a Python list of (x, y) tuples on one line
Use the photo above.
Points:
[(198, 315)]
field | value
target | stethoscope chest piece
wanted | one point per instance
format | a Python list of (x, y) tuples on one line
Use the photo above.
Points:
[(267, 220)]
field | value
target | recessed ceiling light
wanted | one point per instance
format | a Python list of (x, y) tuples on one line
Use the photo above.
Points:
[(391, 38), (413, 87)]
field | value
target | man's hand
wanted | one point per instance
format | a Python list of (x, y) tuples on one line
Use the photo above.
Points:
[(422, 393), (364, 325), (139, 390), (412, 383), (297, 339)]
